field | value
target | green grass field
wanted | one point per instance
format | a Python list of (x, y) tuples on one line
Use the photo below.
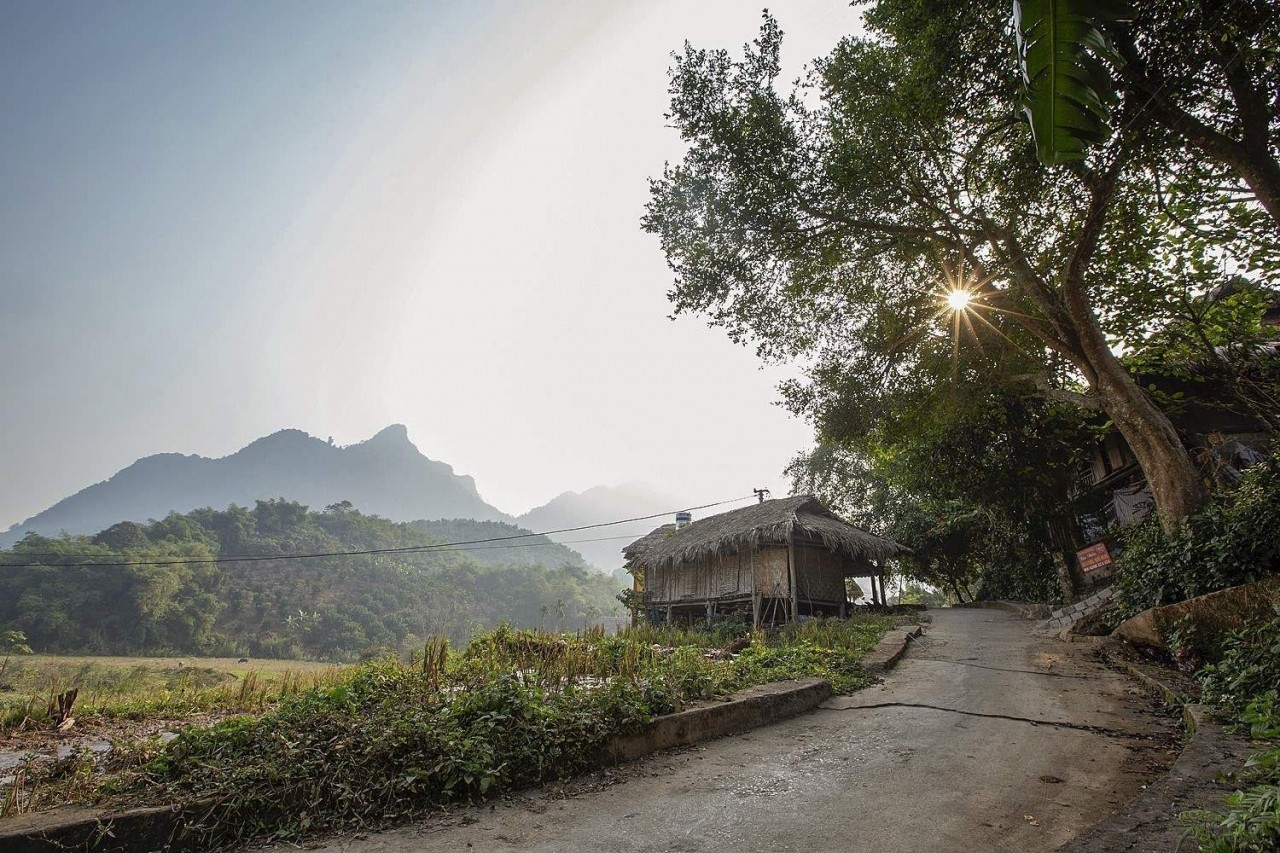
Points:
[(133, 688)]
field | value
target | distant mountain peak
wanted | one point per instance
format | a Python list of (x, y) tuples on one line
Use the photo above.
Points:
[(597, 505), (394, 434), (384, 475)]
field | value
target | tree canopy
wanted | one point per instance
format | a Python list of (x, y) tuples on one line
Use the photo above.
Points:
[(832, 221)]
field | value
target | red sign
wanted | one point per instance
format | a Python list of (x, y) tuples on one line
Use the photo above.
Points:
[(1094, 557)]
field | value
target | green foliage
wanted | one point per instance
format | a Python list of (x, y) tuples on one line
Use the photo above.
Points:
[(335, 608), (13, 643), (1233, 539), (1242, 686), (515, 708), (1245, 674), (971, 484), (825, 221), (1068, 90)]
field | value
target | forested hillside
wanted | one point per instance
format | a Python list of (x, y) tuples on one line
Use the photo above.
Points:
[(336, 607)]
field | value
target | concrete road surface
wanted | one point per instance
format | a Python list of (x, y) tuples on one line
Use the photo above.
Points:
[(983, 738)]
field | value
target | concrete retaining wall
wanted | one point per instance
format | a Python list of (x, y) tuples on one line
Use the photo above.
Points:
[(756, 706), (1214, 614)]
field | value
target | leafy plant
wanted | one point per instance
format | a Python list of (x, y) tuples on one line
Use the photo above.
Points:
[(1233, 539), (1068, 87), (1242, 686)]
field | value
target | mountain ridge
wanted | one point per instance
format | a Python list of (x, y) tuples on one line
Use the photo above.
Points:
[(385, 475), (597, 505)]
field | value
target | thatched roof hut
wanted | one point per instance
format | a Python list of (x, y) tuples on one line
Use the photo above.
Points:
[(789, 554), (777, 521)]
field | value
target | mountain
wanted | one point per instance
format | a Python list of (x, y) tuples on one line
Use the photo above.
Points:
[(385, 475), (597, 505), (509, 550)]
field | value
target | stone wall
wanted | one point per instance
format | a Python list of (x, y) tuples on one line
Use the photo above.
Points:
[(1060, 622)]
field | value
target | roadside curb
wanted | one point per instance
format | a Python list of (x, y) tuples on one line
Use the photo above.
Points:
[(753, 707), (1150, 820), (890, 650), (141, 829)]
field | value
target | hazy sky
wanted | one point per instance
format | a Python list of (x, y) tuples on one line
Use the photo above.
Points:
[(221, 219)]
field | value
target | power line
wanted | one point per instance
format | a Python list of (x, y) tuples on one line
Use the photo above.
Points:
[(411, 549)]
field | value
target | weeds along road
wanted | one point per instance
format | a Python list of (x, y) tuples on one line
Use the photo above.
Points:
[(957, 751)]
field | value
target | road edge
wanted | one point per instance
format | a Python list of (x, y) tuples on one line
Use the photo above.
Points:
[(1151, 818)]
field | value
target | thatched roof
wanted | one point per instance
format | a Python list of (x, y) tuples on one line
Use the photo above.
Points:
[(644, 543), (771, 522)]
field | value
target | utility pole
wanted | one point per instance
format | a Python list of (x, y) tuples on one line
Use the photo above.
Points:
[(760, 494)]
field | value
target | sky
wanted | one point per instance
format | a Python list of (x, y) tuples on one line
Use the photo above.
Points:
[(222, 219)]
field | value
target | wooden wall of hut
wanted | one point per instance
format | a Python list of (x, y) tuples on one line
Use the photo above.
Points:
[(711, 578), (819, 574)]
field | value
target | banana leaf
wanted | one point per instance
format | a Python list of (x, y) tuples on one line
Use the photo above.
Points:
[(1067, 62)]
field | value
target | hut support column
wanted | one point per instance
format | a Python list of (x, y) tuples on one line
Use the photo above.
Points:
[(795, 588), (755, 595)]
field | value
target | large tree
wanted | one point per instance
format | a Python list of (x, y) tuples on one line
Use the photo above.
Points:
[(832, 222)]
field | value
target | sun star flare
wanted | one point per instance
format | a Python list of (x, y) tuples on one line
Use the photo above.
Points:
[(959, 299)]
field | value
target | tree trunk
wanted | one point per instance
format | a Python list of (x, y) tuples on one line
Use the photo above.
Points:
[(1175, 483)]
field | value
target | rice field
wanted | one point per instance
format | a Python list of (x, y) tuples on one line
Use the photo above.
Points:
[(112, 689)]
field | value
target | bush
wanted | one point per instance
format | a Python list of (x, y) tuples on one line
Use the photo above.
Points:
[(1246, 670), (1242, 685), (1234, 539)]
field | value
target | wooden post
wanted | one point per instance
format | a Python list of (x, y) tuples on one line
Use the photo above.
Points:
[(755, 595), (795, 588)]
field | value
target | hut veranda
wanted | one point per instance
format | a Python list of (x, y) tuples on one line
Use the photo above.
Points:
[(768, 563)]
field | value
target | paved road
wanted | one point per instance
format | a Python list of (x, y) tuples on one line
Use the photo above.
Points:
[(957, 751)]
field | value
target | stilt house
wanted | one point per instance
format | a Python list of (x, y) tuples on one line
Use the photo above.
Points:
[(767, 563)]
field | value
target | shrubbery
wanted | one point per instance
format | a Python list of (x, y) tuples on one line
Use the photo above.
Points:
[(1234, 539), (515, 708), (1243, 686)]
